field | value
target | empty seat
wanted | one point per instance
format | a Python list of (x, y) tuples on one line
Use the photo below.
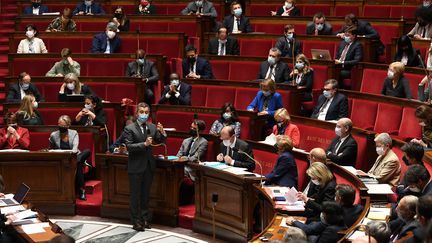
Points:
[(388, 118), (219, 95), (254, 47), (409, 127), (199, 95), (363, 113), (373, 80)]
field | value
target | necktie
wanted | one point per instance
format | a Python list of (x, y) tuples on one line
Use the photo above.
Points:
[(31, 50), (337, 146), (228, 152), (222, 49), (270, 72), (424, 32), (344, 52), (108, 47), (238, 24), (189, 148), (88, 9), (324, 105)]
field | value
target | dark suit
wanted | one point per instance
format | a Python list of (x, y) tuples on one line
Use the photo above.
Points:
[(352, 213), (141, 167), (353, 56), (244, 27), (326, 30), (347, 153), (402, 89), (338, 107), (231, 46), (428, 189), (147, 70), (319, 232), (146, 11), (99, 43), (207, 8), (14, 93), (285, 46), (281, 71), (319, 195), (365, 29), (413, 58), (203, 68), (85, 90), (399, 228), (100, 119), (241, 160), (29, 10), (306, 80), (284, 172), (95, 9), (294, 11), (183, 99)]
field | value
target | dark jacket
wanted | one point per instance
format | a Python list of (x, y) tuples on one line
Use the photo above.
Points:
[(295, 11), (353, 56), (365, 29), (203, 68), (146, 11), (29, 10), (399, 228), (14, 93), (85, 90), (306, 81), (146, 70), (36, 120), (183, 99), (413, 58), (402, 89), (326, 30), (284, 172), (231, 46), (241, 160), (319, 232), (285, 46), (245, 26), (352, 213), (319, 195), (100, 119), (95, 9), (99, 43), (347, 153), (281, 71), (338, 108)]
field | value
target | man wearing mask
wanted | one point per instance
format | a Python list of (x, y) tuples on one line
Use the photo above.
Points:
[(331, 105), (22, 88), (88, 7), (65, 66), (106, 42), (223, 44), (145, 7), (36, 8), (349, 53), (423, 28), (194, 66), (232, 150), (145, 69), (140, 136), (176, 93), (343, 148), (405, 222), (12, 136), (194, 148), (288, 44), (319, 26), (236, 22), (418, 180), (200, 8), (274, 68)]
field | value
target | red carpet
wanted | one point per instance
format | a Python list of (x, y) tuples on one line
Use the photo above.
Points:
[(92, 206), (186, 215)]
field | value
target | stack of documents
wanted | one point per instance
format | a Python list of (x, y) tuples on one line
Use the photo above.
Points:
[(384, 189), (378, 213)]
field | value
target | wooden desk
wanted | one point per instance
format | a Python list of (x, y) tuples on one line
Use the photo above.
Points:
[(164, 196), (51, 177)]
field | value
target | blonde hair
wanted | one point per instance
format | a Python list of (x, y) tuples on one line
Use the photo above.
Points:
[(66, 119), (26, 107), (321, 171), (305, 60), (283, 113), (74, 78), (270, 83), (398, 67), (285, 142)]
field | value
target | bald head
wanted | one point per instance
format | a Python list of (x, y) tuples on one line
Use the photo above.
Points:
[(318, 155), (227, 133), (344, 125)]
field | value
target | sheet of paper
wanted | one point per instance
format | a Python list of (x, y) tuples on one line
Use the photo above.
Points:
[(356, 234), (25, 214), (283, 222), (216, 165), (379, 189), (34, 228), (350, 169), (291, 196), (25, 221), (270, 140), (60, 150), (12, 209), (300, 151)]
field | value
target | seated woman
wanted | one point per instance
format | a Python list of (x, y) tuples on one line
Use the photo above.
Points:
[(72, 86), (121, 20), (288, 9), (62, 23), (27, 114), (386, 169), (321, 189), (284, 172), (406, 54), (303, 76), (146, 8), (12, 136), (285, 127), (67, 139), (228, 117), (92, 114), (423, 115), (425, 93), (396, 84), (31, 44)]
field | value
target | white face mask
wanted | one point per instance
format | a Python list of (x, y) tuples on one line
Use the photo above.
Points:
[(88, 106), (414, 189), (390, 74), (70, 86), (327, 94), (338, 131), (271, 60), (288, 5), (422, 124), (111, 34), (316, 182), (35, 104), (175, 82), (319, 26), (379, 150), (226, 142), (30, 33), (322, 218)]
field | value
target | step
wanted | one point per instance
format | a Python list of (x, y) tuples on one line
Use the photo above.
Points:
[(90, 207), (186, 216), (92, 186)]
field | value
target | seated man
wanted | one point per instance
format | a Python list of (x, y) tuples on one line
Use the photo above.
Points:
[(343, 148), (236, 22), (145, 69), (199, 8), (286, 43), (224, 44), (194, 66), (405, 222), (413, 154), (194, 148), (349, 53), (233, 150), (106, 42), (65, 66), (424, 216), (13, 136), (176, 93), (418, 181), (319, 26), (88, 7), (331, 105), (36, 8), (274, 68), (345, 196), (22, 88), (317, 155)]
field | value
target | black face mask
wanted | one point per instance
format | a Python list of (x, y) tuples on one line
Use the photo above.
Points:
[(193, 132), (14, 126), (118, 15), (63, 129), (192, 59), (422, 23), (35, 5), (405, 160)]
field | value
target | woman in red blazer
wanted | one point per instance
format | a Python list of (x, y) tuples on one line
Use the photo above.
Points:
[(285, 127), (12, 136)]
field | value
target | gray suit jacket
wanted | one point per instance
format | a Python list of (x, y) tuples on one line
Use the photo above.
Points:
[(206, 9), (141, 156), (54, 140), (148, 70), (199, 148)]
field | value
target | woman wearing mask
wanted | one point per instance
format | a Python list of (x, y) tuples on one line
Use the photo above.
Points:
[(406, 54), (68, 139), (27, 114), (121, 20), (423, 114), (228, 117), (285, 127), (146, 7), (288, 9), (62, 23), (92, 114), (396, 84), (72, 86), (303, 76), (13, 136), (31, 44), (386, 169)]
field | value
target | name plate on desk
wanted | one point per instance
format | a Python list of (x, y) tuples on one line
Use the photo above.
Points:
[(14, 150)]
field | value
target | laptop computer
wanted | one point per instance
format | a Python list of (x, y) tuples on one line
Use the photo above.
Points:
[(18, 198), (75, 97), (321, 54)]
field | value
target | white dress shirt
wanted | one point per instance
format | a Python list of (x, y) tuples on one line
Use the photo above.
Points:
[(324, 109)]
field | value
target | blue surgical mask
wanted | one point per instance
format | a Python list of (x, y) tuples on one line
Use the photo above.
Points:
[(271, 60), (347, 39), (238, 12), (319, 26), (226, 115), (140, 61), (175, 82), (327, 94), (290, 36), (25, 86), (142, 118), (266, 93), (299, 65)]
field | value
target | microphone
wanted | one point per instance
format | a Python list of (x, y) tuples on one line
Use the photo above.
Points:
[(256, 162), (215, 198), (138, 36)]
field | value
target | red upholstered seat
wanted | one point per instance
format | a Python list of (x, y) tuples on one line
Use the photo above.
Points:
[(267, 160), (257, 9), (243, 70), (159, 27), (388, 118), (414, 80), (208, 119), (373, 80), (173, 145), (199, 95), (409, 127), (311, 9), (344, 9), (363, 113), (51, 115), (361, 162), (189, 28), (398, 11), (286, 97), (376, 11), (170, 119), (312, 137), (115, 92), (311, 44), (219, 95), (39, 140), (387, 33), (403, 166), (243, 97), (254, 47), (245, 129), (428, 167), (268, 28), (220, 69), (303, 179)]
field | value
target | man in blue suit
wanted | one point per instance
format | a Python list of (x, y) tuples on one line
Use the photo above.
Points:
[(195, 67), (176, 93), (88, 7), (106, 42), (36, 8)]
